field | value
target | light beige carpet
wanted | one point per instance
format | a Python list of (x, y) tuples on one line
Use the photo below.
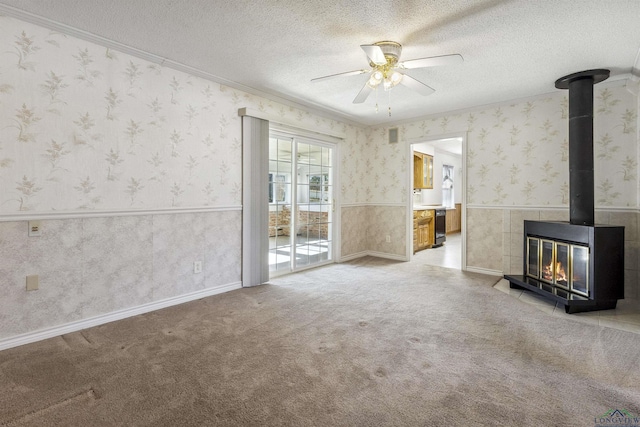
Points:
[(366, 343)]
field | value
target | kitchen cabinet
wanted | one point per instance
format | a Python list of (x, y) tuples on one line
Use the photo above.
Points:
[(423, 229), (422, 170), (454, 219)]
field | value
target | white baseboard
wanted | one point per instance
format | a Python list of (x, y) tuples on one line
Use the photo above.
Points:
[(353, 256), (388, 256), (67, 328), (484, 271), (373, 253)]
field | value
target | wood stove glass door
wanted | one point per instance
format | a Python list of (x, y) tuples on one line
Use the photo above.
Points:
[(580, 269), (561, 270), (533, 257), (547, 260)]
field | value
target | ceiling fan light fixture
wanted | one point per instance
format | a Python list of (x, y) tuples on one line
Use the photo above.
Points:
[(376, 78), (384, 60), (392, 80)]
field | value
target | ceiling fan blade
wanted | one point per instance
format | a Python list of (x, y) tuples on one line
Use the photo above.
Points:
[(374, 53), (416, 85), (363, 94), (432, 61), (348, 73)]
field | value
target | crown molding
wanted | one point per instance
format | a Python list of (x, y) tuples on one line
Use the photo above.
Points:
[(272, 118), (68, 30), (619, 80)]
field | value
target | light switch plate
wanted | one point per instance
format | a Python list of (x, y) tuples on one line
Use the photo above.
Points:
[(35, 229), (33, 282)]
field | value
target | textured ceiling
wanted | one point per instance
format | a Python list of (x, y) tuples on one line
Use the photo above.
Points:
[(511, 48)]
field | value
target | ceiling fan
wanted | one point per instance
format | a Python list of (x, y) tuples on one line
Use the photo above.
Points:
[(386, 70)]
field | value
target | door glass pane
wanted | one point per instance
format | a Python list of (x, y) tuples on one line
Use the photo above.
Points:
[(314, 204), (303, 154), (302, 234), (300, 203)]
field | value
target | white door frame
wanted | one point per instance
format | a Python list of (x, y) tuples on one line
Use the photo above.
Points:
[(409, 179), (329, 142)]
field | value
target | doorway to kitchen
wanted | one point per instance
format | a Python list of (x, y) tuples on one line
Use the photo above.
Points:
[(301, 220), (436, 207)]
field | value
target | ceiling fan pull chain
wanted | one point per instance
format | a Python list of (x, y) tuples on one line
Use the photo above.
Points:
[(389, 102), (376, 99)]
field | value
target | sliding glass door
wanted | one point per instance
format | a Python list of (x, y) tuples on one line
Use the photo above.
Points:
[(300, 203)]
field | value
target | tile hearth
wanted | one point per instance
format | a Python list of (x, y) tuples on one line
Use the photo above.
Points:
[(625, 317)]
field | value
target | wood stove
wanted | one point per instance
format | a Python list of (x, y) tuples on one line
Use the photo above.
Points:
[(578, 263), (580, 266)]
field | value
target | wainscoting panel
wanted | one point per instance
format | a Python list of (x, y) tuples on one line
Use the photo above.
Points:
[(90, 267)]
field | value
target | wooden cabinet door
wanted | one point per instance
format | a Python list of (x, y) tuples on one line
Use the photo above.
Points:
[(422, 171), (459, 216), (454, 219), (423, 235), (423, 231), (417, 170), (427, 171)]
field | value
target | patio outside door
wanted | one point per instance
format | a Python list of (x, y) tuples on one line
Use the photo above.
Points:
[(300, 203)]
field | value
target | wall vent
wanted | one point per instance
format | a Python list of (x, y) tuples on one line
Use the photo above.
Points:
[(393, 135)]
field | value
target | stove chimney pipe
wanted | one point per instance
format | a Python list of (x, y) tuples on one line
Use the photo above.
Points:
[(581, 182)]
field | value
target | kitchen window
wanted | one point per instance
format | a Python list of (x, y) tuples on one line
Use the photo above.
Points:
[(447, 187)]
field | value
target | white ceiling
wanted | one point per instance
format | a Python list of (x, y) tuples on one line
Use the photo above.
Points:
[(511, 48)]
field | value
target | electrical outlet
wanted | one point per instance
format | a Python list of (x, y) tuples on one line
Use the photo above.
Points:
[(197, 267), (33, 282), (388, 238)]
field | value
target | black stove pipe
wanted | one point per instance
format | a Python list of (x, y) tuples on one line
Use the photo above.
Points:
[(581, 182)]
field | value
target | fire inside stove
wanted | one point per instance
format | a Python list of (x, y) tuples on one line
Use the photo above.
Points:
[(559, 263)]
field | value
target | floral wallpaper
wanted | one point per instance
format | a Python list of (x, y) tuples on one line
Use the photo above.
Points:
[(517, 157), (85, 127), (374, 171), (517, 153)]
